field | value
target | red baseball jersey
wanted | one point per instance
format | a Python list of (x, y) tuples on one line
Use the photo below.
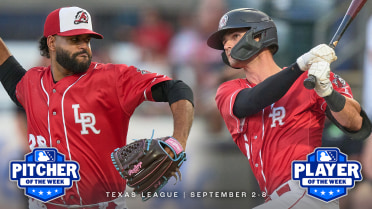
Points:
[(85, 116), (285, 131)]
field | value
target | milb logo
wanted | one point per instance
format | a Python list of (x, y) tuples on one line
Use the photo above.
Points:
[(44, 174), (327, 173)]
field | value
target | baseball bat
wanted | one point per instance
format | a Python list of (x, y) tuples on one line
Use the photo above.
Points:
[(352, 11)]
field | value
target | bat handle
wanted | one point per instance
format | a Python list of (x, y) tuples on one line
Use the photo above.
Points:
[(309, 82)]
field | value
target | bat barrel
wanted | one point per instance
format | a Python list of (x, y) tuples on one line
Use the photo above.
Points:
[(353, 10), (341, 30)]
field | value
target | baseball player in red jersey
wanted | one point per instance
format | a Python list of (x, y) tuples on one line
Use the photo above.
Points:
[(83, 108), (271, 116)]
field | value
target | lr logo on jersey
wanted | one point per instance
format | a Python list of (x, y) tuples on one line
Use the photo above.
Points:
[(44, 174), (277, 115), (87, 120), (327, 173)]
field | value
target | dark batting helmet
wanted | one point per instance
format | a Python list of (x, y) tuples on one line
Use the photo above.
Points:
[(258, 24)]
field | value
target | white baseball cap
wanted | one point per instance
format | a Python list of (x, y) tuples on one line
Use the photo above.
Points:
[(69, 21)]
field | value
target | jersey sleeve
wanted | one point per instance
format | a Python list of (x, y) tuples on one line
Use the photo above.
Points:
[(134, 86), (225, 98), (339, 85), (27, 83)]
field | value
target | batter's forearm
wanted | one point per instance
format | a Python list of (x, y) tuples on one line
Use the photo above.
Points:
[(4, 52), (249, 101), (349, 117), (183, 116)]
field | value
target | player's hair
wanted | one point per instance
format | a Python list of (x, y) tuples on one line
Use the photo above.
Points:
[(43, 46)]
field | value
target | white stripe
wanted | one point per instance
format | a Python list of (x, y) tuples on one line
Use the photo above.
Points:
[(144, 92), (262, 172), (239, 127), (252, 151), (65, 130), (321, 106), (263, 175), (262, 138), (263, 124), (247, 146), (50, 136), (346, 91)]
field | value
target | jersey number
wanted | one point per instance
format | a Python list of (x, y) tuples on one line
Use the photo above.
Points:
[(39, 141)]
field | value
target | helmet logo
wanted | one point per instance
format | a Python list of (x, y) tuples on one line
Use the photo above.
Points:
[(223, 22)]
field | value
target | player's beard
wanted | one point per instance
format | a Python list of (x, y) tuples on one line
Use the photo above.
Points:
[(70, 63)]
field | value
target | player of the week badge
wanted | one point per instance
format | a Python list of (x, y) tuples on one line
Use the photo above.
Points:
[(44, 174), (327, 173)]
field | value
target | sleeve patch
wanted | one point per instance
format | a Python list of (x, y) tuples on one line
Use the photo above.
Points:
[(338, 81)]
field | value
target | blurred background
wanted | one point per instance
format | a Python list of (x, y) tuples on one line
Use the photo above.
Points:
[(169, 37)]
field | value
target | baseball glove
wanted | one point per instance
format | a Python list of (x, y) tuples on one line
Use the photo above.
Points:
[(147, 166)]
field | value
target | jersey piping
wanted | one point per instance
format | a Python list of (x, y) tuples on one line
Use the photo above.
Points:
[(45, 92), (239, 124), (65, 129)]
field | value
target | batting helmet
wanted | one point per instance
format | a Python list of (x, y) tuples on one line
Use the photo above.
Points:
[(258, 24)]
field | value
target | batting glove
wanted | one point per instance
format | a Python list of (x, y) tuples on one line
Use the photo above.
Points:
[(321, 71), (319, 53)]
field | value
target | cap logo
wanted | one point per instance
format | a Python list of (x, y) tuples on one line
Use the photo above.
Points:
[(223, 21), (81, 17)]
